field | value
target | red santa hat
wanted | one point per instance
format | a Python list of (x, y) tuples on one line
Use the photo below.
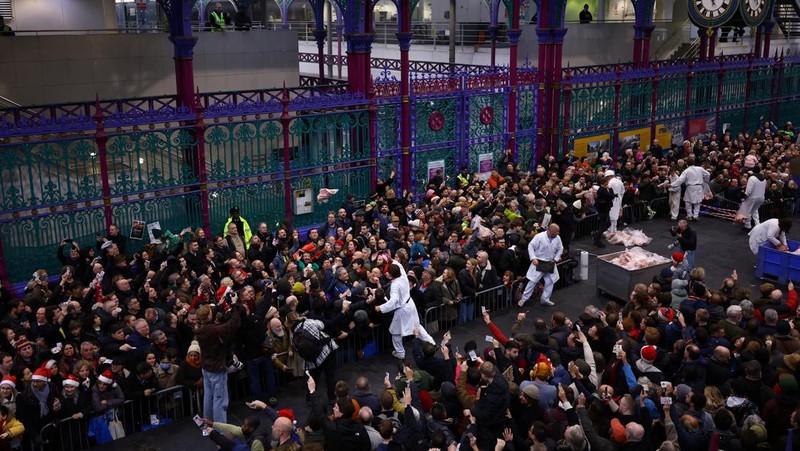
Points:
[(677, 256), (71, 381), (287, 413), (48, 365), (106, 377), (10, 381), (223, 290), (649, 353), (41, 374)]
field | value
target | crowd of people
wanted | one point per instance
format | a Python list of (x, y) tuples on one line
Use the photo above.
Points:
[(679, 365)]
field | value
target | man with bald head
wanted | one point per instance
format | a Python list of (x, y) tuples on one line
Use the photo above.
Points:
[(282, 435), (718, 369), (545, 251)]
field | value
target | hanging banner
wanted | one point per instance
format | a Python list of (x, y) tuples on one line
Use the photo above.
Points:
[(485, 165), (592, 147)]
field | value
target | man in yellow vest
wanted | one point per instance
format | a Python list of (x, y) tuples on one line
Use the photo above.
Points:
[(218, 18), (241, 225)]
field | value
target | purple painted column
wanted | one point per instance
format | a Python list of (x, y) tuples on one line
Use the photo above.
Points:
[(287, 155), (542, 93), (747, 91), (319, 35), (759, 41), (493, 40), (712, 44), (617, 91), (339, 29), (404, 40), (567, 104), (513, 79), (555, 85), (180, 29), (767, 38), (101, 138), (637, 45), (200, 139), (648, 32), (703, 44)]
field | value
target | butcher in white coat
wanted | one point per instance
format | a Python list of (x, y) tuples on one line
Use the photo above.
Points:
[(754, 197), (544, 247), (772, 230), (406, 318), (693, 177), (618, 188)]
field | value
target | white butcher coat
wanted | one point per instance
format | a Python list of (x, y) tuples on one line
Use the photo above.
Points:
[(754, 191), (542, 247), (693, 177), (406, 317), (766, 231), (618, 188)]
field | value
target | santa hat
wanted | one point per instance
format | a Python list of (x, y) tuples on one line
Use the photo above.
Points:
[(649, 353), (287, 413), (677, 257), (11, 381), (41, 374), (48, 364), (106, 377), (71, 381), (666, 314), (223, 290)]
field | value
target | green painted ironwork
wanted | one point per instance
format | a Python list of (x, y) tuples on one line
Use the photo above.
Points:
[(485, 135), (761, 83), (146, 161), (354, 180), (329, 138), (258, 202), (47, 173), (173, 213), (734, 89), (635, 101), (671, 97), (423, 108), (704, 89), (244, 149), (592, 106)]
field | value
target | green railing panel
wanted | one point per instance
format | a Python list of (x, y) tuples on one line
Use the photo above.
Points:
[(526, 102), (243, 149), (761, 83), (30, 244), (487, 114), (151, 160), (735, 117), (671, 97), (591, 107), (434, 120), (635, 101), (421, 160), (322, 139), (347, 180), (757, 114), (790, 83), (258, 202), (734, 89), (704, 91), (173, 213), (388, 127), (48, 173)]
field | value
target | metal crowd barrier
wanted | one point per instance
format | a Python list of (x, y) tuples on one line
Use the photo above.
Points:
[(441, 317), (136, 415)]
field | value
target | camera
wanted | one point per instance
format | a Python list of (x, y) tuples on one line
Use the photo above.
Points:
[(674, 230), (673, 245)]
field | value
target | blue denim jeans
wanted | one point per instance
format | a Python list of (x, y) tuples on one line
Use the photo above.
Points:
[(466, 310), (689, 257), (258, 369), (215, 396)]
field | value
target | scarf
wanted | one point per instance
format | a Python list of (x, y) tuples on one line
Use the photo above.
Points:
[(42, 396), (195, 363)]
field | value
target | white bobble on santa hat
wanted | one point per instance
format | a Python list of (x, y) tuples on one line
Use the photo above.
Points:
[(71, 381), (106, 377), (41, 374)]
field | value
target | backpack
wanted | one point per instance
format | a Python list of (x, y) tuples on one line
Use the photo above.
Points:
[(306, 344)]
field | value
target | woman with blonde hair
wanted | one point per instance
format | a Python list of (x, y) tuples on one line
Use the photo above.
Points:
[(451, 297)]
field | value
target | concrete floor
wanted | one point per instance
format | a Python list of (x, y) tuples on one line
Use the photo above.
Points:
[(722, 247)]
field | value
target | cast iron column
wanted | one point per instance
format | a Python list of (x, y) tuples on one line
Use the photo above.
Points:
[(513, 78), (493, 38), (179, 15), (319, 35), (404, 40)]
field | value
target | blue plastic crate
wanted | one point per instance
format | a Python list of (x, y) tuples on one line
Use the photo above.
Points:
[(778, 266)]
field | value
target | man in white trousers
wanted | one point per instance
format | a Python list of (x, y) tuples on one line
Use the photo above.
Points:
[(772, 230), (754, 196), (406, 318), (545, 248), (618, 188), (693, 177)]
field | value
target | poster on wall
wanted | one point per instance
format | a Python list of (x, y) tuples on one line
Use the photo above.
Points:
[(702, 127), (433, 167), (592, 146), (629, 141), (303, 204), (485, 164), (676, 128), (153, 226)]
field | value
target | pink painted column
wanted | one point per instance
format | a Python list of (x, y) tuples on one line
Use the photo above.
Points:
[(555, 86), (703, 44), (101, 138), (759, 41), (542, 92), (404, 40), (712, 44), (567, 105), (767, 38), (513, 79)]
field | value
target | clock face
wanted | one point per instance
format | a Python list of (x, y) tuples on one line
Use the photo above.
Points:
[(712, 9), (754, 11)]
